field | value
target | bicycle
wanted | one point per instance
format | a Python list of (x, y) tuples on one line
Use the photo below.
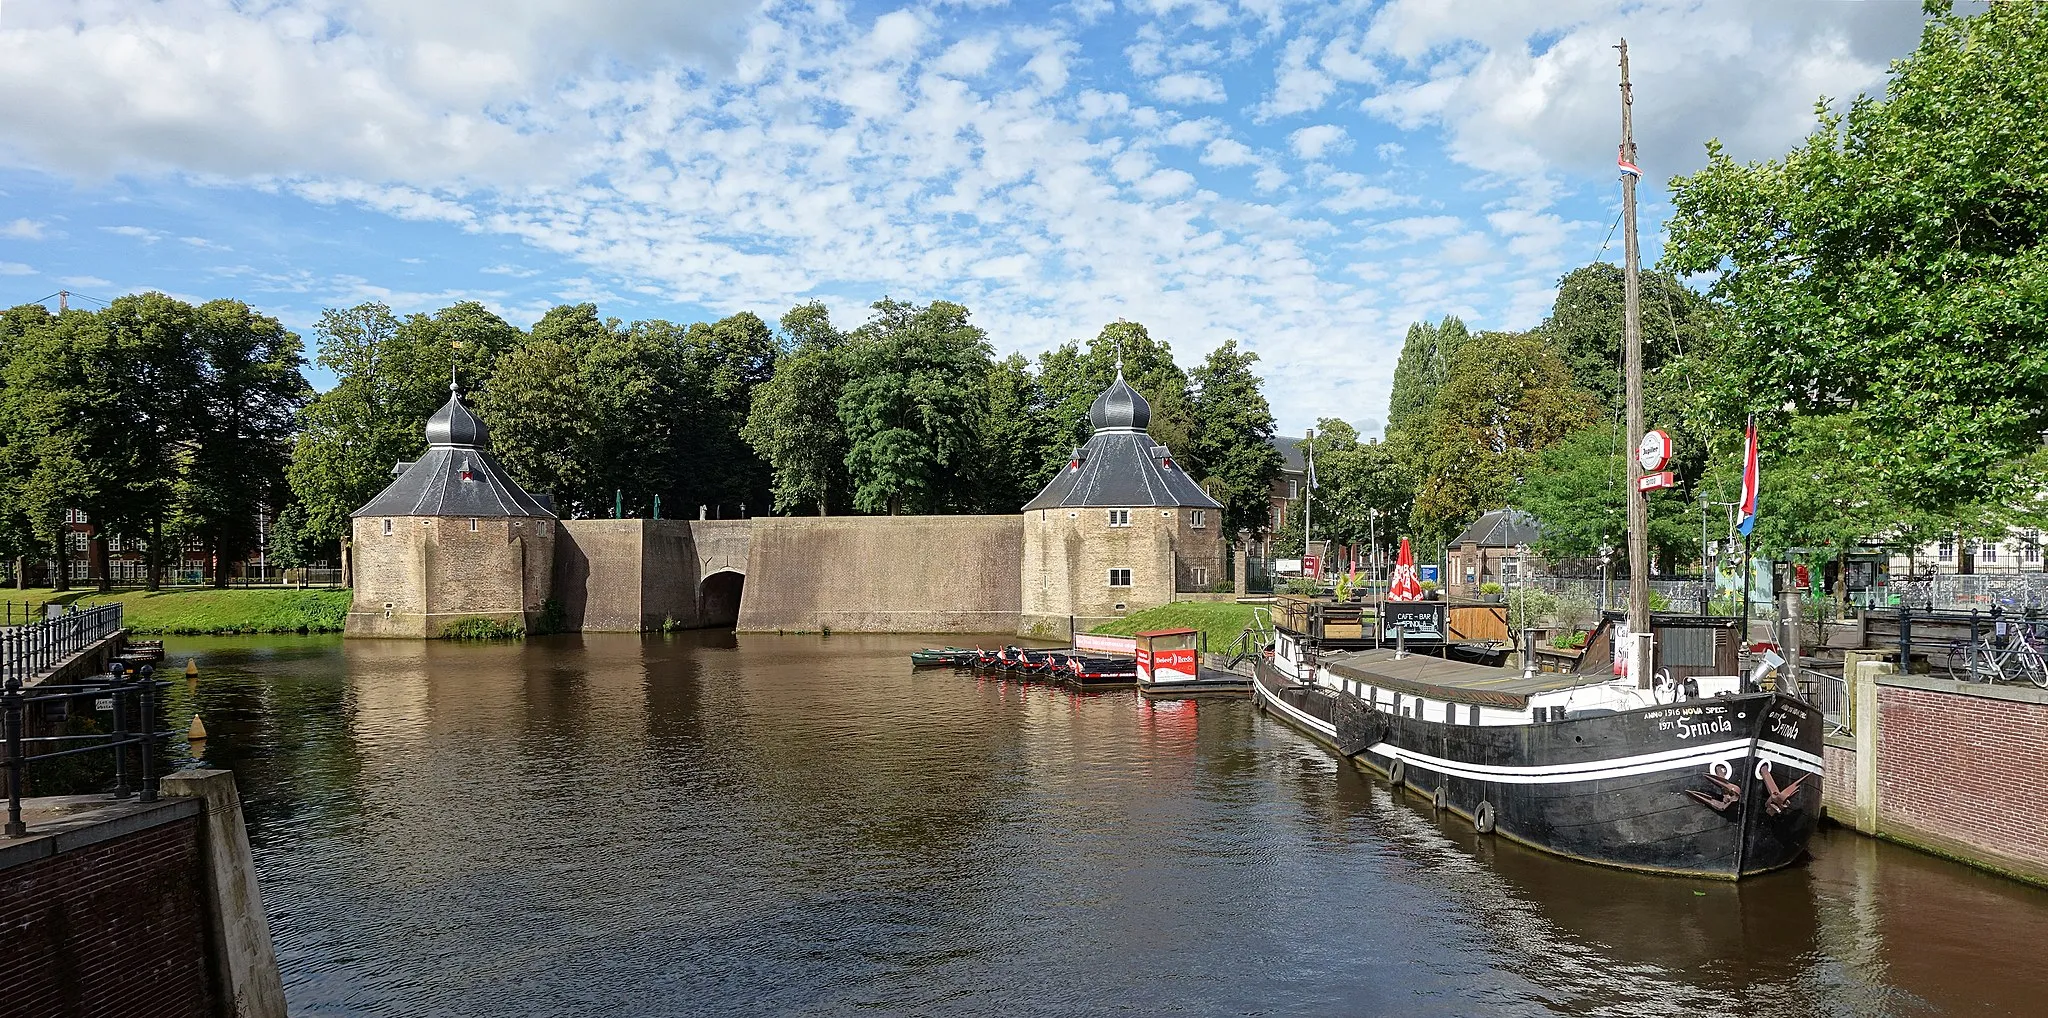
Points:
[(2021, 658)]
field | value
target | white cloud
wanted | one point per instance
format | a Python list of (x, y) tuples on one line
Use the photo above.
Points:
[(22, 229), (1297, 86), (517, 271), (204, 244), (91, 281), (15, 269), (1312, 142), (141, 233), (968, 58), (1228, 152), (1189, 87), (1421, 227)]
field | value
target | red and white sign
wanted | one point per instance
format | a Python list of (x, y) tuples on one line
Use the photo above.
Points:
[(1660, 479), (1654, 451), (1312, 565), (1166, 665)]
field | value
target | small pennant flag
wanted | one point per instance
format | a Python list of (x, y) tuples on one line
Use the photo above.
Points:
[(1629, 168), (1402, 585)]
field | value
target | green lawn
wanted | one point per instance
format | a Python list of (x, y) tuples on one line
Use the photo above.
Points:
[(1220, 620), (195, 611)]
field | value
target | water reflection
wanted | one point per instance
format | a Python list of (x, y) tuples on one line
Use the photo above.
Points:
[(699, 823)]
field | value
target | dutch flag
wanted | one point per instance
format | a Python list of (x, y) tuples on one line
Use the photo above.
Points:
[(1751, 481), (1627, 168)]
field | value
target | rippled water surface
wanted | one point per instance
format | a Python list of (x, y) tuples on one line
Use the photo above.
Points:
[(705, 824)]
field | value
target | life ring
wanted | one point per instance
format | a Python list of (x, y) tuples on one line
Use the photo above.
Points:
[(1397, 772), (1441, 797), (1482, 818)]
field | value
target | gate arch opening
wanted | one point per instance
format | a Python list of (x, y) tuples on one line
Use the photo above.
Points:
[(718, 599)]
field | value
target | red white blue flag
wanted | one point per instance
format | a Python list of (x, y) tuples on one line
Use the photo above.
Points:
[(1750, 481), (1621, 160)]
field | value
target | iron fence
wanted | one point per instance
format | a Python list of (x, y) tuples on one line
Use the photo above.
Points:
[(21, 613), (1981, 590), (30, 650), (116, 693)]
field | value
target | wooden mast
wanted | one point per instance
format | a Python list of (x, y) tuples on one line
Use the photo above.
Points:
[(1632, 360)]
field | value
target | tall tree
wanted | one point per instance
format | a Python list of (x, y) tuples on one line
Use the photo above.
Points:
[(1584, 326), (251, 391), (793, 420), (538, 408), (151, 425), (1232, 443), (1890, 269), (1070, 377), (1425, 362), (1506, 397), (911, 404), (1357, 480)]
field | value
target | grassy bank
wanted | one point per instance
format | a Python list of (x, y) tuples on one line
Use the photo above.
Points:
[(189, 611), (1220, 620)]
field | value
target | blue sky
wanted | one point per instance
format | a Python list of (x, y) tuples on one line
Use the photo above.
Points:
[(1306, 178)]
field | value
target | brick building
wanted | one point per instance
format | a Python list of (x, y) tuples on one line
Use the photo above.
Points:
[(453, 538), (1494, 549), (1122, 528), (127, 560)]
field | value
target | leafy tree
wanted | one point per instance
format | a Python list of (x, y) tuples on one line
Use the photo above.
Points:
[(1015, 431), (911, 405), (722, 363), (1506, 397), (539, 411), (1354, 480), (793, 422), (1585, 326), (251, 391), (1577, 489), (1425, 362), (58, 409), (1890, 270), (1232, 444), (1070, 378)]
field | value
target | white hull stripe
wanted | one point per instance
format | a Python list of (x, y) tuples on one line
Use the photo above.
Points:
[(1702, 756)]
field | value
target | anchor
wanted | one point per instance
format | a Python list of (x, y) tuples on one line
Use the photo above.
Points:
[(1731, 793), (1779, 798)]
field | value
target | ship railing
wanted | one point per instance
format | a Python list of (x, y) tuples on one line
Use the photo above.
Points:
[(1253, 640)]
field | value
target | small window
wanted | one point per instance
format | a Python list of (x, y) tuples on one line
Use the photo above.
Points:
[(387, 528), (1119, 517), (1510, 568), (1293, 490), (472, 524), (1990, 552), (1946, 550), (2030, 545), (1198, 518), (1475, 714), (1119, 577), (1450, 713), (1200, 574)]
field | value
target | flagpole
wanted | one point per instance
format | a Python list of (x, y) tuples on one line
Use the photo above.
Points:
[(1748, 569)]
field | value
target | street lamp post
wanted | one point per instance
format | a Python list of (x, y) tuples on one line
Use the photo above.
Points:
[(1528, 631)]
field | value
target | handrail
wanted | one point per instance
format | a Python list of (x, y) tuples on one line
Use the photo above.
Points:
[(29, 651), (142, 690)]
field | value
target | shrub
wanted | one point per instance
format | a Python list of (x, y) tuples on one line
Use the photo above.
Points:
[(1490, 587), (1571, 640), (482, 629), (1528, 608), (1301, 585), (1223, 587)]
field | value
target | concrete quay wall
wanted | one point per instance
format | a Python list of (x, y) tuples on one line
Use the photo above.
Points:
[(629, 576), (118, 908), (1958, 769), (884, 574)]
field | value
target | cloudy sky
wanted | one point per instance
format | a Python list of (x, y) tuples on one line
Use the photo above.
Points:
[(1307, 178)]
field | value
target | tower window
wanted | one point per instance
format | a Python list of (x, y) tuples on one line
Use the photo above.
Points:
[(387, 528), (1119, 517), (472, 525), (1197, 518), (1119, 577)]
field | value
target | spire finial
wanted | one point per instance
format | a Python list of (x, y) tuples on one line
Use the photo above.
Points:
[(454, 386)]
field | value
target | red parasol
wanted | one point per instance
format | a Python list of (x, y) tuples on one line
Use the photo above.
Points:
[(1403, 586)]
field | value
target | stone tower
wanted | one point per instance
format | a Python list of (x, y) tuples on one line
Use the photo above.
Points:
[(452, 538), (1122, 528)]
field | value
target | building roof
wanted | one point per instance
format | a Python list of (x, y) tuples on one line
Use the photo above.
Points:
[(1501, 528), (1121, 465), (1293, 461), (457, 476)]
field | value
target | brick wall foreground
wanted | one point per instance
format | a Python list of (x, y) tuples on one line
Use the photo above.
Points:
[(1959, 769)]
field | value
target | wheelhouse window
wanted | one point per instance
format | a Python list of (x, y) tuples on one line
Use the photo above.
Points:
[(1119, 517), (1198, 518), (1119, 577)]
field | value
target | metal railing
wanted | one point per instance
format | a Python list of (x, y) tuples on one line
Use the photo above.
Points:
[(22, 613), (116, 693), (30, 650), (1979, 590)]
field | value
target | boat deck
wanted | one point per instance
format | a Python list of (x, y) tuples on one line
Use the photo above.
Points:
[(1456, 681)]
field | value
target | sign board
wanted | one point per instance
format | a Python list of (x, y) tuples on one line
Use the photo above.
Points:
[(1422, 621), (1801, 579), (1654, 451), (1426, 573), (1287, 565), (1660, 479), (1166, 664), (1312, 565), (1105, 644)]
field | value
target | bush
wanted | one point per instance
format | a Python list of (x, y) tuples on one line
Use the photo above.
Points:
[(482, 629), (1490, 587), (1571, 640), (1223, 587), (1659, 603), (1529, 608), (1301, 585)]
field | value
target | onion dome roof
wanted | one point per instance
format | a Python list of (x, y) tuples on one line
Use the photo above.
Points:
[(1120, 406)]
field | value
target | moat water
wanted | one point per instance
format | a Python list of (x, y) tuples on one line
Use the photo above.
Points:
[(705, 824)]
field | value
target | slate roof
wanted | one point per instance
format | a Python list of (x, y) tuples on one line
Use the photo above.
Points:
[(1293, 461), (1501, 528), (1121, 466), (457, 476)]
